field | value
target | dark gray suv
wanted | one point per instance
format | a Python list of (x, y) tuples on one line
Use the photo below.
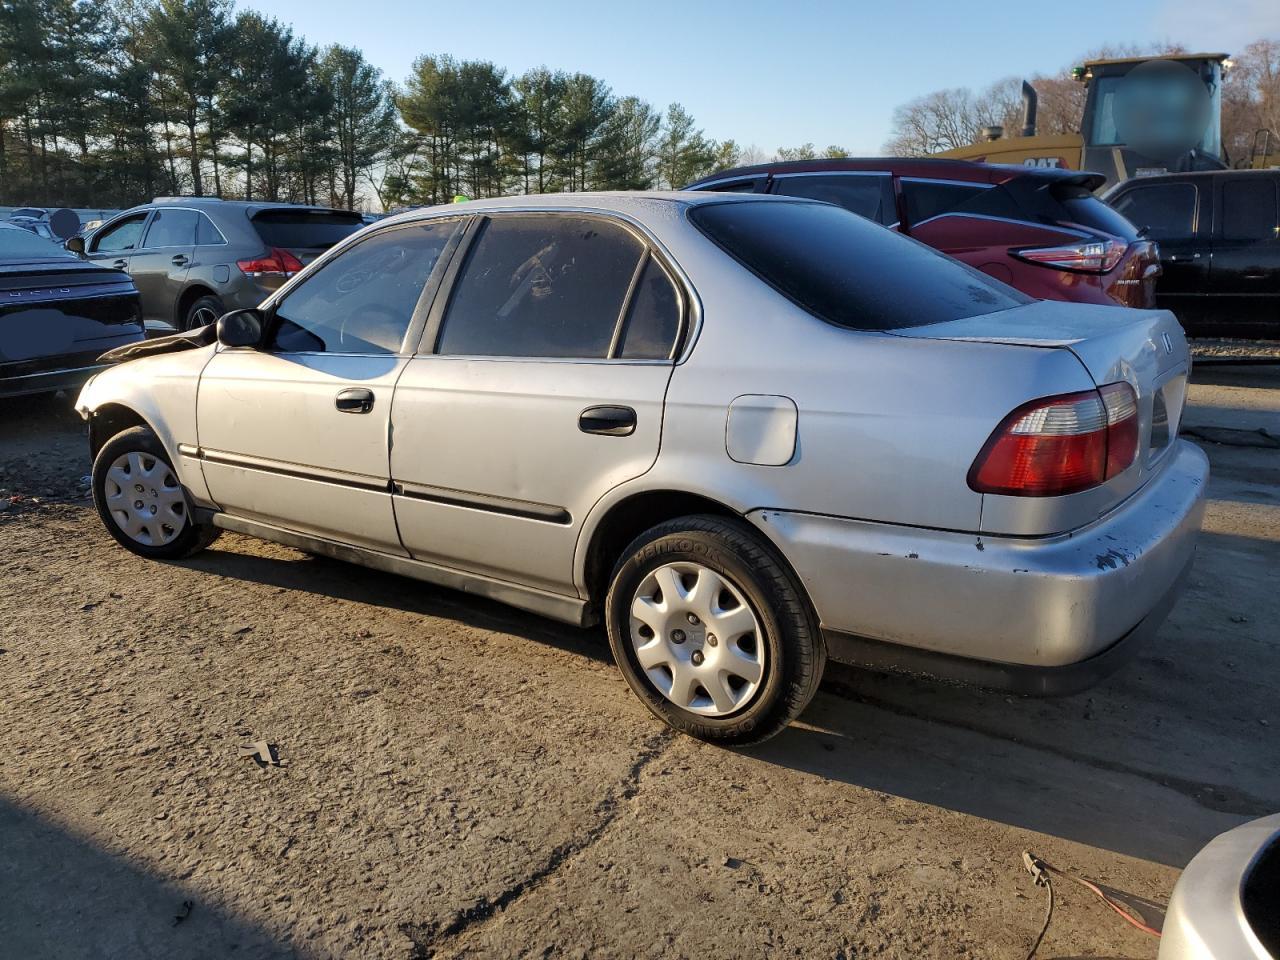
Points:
[(194, 258)]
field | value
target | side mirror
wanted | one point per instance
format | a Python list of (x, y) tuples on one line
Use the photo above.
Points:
[(75, 245), (240, 328)]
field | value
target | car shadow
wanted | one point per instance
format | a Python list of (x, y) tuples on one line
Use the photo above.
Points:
[(66, 896), (1146, 764)]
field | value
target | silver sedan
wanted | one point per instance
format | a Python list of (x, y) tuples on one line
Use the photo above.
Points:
[(746, 433)]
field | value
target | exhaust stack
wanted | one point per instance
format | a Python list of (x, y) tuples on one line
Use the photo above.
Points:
[(1029, 102)]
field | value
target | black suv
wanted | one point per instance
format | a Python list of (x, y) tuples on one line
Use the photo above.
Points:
[(1219, 235)]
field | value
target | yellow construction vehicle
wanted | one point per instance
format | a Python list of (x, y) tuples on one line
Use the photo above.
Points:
[(1142, 116)]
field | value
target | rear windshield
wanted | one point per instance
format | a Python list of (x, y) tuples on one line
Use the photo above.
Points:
[(1084, 208), (15, 242), (305, 228), (848, 270)]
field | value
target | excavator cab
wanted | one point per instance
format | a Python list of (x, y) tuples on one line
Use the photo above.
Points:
[(1142, 116), (1146, 116)]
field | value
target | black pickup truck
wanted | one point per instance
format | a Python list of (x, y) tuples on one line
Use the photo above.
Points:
[(1219, 236)]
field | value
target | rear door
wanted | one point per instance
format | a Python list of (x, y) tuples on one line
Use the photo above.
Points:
[(1176, 214), (296, 433), (1244, 283), (159, 266), (539, 389)]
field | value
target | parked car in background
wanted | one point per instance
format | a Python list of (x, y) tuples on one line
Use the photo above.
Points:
[(1040, 230), (599, 403), (194, 258), (57, 314), (1219, 236), (1226, 904)]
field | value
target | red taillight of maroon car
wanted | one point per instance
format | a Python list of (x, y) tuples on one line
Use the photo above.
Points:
[(277, 263), (1093, 256), (1060, 445)]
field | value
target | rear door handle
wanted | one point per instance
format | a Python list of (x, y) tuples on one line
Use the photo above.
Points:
[(179, 260), (608, 421), (354, 400)]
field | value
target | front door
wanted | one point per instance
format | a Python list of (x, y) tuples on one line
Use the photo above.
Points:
[(544, 391), (114, 243), (1178, 215), (296, 433), (160, 263)]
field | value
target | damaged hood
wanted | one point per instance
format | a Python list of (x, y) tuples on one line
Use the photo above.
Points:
[(187, 340)]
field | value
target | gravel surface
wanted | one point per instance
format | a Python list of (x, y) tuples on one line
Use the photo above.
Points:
[(463, 780)]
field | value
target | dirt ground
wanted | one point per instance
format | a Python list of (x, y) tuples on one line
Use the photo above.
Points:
[(463, 780)]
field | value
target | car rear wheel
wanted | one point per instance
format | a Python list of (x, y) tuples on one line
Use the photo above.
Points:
[(203, 312), (712, 632), (140, 500)]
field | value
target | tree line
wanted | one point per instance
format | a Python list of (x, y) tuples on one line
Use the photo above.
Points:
[(945, 119), (110, 102)]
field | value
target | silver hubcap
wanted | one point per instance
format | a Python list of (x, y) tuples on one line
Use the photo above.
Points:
[(697, 639), (145, 499)]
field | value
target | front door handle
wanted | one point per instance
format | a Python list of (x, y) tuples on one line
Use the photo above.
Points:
[(354, 400), (608, 421), (179, 260), (119, 264)]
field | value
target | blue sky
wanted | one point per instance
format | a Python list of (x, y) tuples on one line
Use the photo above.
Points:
[(774, 74)]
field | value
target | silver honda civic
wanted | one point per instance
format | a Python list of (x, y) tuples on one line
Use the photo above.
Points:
[(747, 433)]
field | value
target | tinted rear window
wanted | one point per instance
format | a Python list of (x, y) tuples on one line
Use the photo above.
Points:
[(305, 228), (847, 270), (1081, 206)]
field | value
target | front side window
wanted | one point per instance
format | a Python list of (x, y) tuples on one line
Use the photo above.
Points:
[(363, 300), (1166, 210), (171, 228), (867, 196), (1249, 209), (847, 270), (120, 236), (541, 285)]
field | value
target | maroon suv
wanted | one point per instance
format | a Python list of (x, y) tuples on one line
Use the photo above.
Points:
[(1040, 230)]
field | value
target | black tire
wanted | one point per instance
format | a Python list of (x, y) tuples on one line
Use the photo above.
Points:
[(201, 309), (795, 650), (192, 537)]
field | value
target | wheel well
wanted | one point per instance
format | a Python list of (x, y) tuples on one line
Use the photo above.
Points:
[(189, 296), (108, 420), (627, 520)]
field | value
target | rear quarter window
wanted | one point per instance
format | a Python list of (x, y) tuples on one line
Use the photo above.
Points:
[(302, 228), (846, 269), (1166, 210)]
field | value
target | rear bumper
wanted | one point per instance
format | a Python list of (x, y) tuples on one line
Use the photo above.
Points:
[(1046, 615), (48, 381)]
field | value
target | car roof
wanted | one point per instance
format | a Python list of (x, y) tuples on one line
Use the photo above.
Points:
[(1196, 175), (919, 167), (619, 201)]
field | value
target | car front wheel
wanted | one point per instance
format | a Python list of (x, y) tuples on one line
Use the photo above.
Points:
[(712, 632), (140, 500)]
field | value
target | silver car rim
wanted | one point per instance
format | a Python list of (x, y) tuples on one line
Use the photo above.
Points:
[(145, 499), (202, 317), (697, 639)]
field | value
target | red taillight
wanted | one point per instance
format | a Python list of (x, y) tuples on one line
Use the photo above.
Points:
[(1060, 445), (277, 263), (1095, 256)]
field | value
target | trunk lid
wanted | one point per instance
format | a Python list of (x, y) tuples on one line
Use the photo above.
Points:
[(1144, 348), (53, 309)]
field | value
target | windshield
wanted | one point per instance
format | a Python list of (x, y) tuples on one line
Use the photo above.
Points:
[(15, 242), (846, 269), (1167, 109)]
